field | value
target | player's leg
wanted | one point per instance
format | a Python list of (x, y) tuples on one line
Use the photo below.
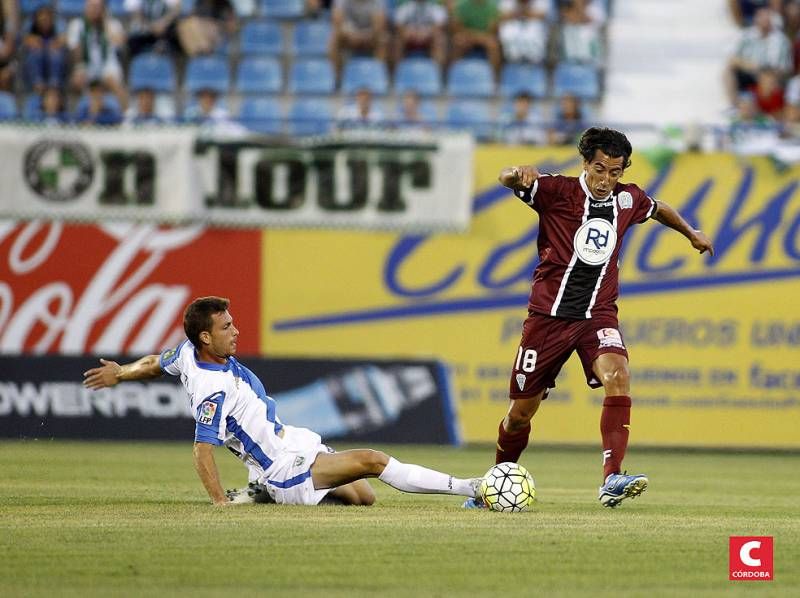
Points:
[(611, 369), (515, 428), (336, 469), (354, 493)]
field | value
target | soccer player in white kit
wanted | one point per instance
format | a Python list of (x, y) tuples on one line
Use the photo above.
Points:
[(231, 408)]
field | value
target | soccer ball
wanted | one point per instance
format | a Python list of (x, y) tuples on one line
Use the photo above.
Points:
[(508, 487)]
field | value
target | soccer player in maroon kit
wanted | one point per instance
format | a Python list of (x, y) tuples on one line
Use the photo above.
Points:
[(572, 305)]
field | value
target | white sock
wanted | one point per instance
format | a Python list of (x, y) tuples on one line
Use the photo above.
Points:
[(414, 478)]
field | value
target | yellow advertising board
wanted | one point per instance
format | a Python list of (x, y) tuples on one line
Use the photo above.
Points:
[(714, 342)]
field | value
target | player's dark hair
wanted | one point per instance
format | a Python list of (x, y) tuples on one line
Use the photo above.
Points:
[(197, 317), (612, 143)]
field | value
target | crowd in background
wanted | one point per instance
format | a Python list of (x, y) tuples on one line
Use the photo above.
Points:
[(68, 62), (763, 75)]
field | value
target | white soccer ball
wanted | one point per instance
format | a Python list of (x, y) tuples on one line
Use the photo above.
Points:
[(508, 488)]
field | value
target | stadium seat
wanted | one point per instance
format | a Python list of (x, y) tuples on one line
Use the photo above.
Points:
[(261, 37), (365, 72), (470, 77), (109, 99), (259, 75), (117, 8), (262, 115), (311, 38), (578, 79), (472, 115), (70, 8), (8, 106), (310, 117), (28, 7), (311, 76), (31, 107), (420, 74), (523, 78), (187, 7), (207, 72), (282, 9), (152, 70), (427, 110)]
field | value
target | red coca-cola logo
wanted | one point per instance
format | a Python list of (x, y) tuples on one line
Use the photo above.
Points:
[(119, 288)]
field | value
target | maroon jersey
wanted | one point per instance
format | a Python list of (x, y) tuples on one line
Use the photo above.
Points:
[(579, 242)]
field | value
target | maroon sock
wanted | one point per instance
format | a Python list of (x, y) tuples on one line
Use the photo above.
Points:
[(614, 422), (511, 444)]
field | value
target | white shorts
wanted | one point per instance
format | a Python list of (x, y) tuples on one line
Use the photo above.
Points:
[(288, 480)]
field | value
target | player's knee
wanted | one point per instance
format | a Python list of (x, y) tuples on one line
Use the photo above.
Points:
[(618, 378), (517, 420), (373, 461), (366, 496)]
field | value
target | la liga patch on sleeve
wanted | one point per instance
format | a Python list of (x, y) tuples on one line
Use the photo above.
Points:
[(206, 412)]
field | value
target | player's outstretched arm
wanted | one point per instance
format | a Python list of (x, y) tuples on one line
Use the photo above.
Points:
[(668, 216), (111, 373), (206, 468), (518, 177)]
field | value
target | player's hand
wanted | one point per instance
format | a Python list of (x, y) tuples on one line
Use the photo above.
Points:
[(702, 243), (103, 377), (525, 175)]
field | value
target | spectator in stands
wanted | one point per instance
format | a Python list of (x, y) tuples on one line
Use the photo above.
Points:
[(143, 112), (361, 112), (45, 56), (743, 11), (152, 24), (581, 39), (411, 117), (9, 30), (791, 114), (750, 131), (51, 107), (522, 126), (211, 116), (523, 29), (211, 22), (94, 41), (98, 110), (760, 46), (569, 122), (358, 26), (420, 27), (768, 93), (475, 27)]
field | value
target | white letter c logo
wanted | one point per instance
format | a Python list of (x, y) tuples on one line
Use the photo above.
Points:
[(744, 553)]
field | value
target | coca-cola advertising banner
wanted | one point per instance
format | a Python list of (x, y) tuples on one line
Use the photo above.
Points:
[(352, 400), (120, 288), (177, 176)]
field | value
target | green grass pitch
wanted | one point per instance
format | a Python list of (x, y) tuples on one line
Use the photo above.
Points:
[(103, 519)]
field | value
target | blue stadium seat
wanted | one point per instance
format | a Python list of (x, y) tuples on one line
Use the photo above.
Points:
[(154, 71), (310, 117), (261, 37), (523, 78), (420, 74), (262, 115), (311, 76), (427, 110), (117, 8), (70, 8), (311, 38), (472, 115), (31, 107), (578, 79), (187, 7), (8, 106), (207, 72), (282, 9), (109, 99), (28, 7), (259, 75), (470, 77), (365, 72)]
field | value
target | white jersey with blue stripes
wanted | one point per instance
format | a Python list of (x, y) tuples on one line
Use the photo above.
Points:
[(230, 407)]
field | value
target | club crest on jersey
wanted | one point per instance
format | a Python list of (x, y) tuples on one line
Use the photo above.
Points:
[(594, 241), (610, 337), (206, 412), (521, 381), (625, 200)]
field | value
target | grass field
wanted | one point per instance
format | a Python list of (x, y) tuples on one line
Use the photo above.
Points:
[(98, 519)]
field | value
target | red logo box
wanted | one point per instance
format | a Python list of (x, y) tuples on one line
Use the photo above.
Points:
[(751, 558)]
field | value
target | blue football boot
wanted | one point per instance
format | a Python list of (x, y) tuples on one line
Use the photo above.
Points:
[(476, 502), (620, 486)]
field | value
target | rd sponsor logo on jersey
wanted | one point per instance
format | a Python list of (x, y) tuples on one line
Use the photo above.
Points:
[(207, 411), (610, 337), (594, 241), (751, 558)]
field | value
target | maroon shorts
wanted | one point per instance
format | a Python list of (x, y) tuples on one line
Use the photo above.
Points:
[(548, 342)]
